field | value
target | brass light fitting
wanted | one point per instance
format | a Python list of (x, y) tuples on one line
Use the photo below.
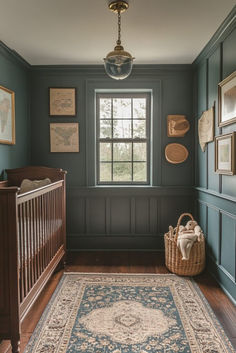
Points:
[(118, 63)]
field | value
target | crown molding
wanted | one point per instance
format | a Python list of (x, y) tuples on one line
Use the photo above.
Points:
[(13, 55), (227, 26), (98, 70)]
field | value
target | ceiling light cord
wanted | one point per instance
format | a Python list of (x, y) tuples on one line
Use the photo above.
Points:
[(119, 29)]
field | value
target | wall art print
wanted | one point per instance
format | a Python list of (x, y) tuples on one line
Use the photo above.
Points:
[(7, 116), (64, 137), (225, 154), (227, 100), (62, 101), (206, 128)]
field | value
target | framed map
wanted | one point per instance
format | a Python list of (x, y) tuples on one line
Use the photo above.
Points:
[(227, 100), (225, 154), (64, 137), (7, 116), (62, 101)]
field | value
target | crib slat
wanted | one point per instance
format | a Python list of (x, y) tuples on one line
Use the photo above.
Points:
[(32, 243), (25, 252), (20, 256), (36, 240), (29, 243), (40, 229)]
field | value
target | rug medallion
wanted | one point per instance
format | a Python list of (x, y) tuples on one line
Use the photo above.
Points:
[(113, 313)]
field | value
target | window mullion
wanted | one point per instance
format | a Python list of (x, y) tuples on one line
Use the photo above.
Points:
[(122, 142)]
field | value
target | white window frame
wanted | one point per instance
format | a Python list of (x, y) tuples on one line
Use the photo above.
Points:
[(147, 140)]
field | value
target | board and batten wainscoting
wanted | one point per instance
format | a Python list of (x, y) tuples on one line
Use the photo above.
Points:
[(128, 217), (215, 194), (123, 218)]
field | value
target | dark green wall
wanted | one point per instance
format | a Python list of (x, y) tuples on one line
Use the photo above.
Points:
[(14, 74), (216, 194), (172, 94), (118, 217)]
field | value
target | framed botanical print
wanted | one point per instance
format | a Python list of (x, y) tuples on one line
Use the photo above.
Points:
[(7, 116), (64, 137), (62, 101), (227, 100), (225, 154)]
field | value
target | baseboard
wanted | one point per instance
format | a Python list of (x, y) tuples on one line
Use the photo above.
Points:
[(226, 284), (142, 242)]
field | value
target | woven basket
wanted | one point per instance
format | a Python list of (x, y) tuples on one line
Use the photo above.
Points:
[(173, 256)]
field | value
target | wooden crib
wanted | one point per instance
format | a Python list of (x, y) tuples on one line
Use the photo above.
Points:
[(32, 243)]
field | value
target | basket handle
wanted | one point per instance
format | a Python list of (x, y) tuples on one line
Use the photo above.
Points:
[(179, 222)]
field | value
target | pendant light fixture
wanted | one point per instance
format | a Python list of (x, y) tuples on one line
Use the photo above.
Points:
[(118, 63)]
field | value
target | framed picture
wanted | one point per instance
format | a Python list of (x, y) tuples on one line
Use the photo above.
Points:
[(64, 137), (7, 116), (227, 100), (62, 101), (225, 154)]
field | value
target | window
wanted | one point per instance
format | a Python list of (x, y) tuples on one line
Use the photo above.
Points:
[(123, 138)]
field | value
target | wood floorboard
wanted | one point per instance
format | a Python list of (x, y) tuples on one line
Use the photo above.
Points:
[(127, 262)]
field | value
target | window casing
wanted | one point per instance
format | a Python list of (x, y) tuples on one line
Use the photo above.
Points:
[(123, 138)]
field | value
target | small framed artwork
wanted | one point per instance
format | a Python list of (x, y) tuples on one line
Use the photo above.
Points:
[(227, 100), (7, 116), (225, 154), (64, 137), (62, 101)]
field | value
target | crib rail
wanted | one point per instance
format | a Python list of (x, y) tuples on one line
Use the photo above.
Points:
[(40, 233), (32, 243)]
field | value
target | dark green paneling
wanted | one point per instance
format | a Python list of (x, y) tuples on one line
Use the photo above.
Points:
[(102, 215), (202, 87), (213, 233), (96, 213), (170, 210), (229, 66), (120, 215), (214, 78), (74, 163), (134, 216), (202, 216), (120, 242), (228, 237), (216, 198), (179, 101), (217, 216), (172, 94), (227, 284), (201, 106), (229, 54), (142, 215), (14, 74)]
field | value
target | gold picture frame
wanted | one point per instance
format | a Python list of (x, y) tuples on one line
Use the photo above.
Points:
[(64, 137), (227, 100), (225, 154), (7, 116), (62, 101)]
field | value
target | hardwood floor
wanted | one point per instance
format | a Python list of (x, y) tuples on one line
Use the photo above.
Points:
[(127, 262)]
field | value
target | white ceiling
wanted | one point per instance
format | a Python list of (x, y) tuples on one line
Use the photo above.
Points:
[(84, 31)]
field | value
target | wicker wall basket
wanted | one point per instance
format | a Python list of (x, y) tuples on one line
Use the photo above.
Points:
[(173, 256)]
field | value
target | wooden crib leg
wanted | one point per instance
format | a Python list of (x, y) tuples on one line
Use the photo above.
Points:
[(15, 343)]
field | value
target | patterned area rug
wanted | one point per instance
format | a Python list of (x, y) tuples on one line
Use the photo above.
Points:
[(113, 313)]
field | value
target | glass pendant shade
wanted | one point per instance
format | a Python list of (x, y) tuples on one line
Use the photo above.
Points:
[(118, 63)]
